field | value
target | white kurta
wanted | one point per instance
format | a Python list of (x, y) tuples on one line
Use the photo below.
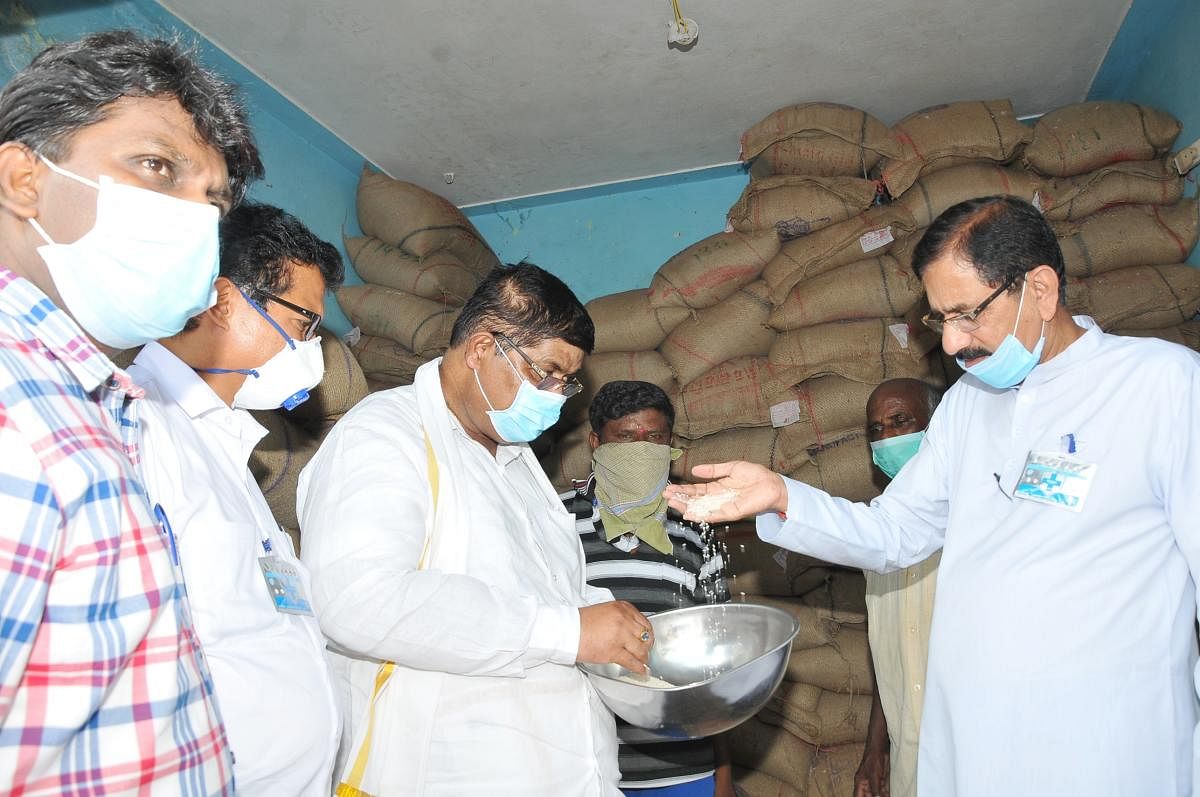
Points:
[(272, 679), (486, 699), (1062, 648)]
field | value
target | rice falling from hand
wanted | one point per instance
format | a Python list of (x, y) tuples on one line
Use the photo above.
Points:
[(645, 680)]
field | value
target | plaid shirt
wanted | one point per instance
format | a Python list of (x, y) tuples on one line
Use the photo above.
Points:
[(103, 687)]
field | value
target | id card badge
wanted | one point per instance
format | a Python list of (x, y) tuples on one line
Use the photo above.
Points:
[(1056, 479), (284, 585)]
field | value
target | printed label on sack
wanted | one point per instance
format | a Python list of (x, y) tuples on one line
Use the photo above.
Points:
[(785, 413), (900, 333), (780, 558), (870, 241), (352, 337)]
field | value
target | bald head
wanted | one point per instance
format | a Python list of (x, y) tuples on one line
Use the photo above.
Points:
[(900, 406)]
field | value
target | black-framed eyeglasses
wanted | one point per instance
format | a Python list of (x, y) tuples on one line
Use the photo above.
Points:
[(965, 322), (567, 387), (313, 319)]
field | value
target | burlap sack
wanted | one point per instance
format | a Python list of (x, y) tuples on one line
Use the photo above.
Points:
[(376, 385), (752, 445), (843, 666), (818, 716), (766, 748), (420, 325), (1132, 183), (816, 138), (734, 328), (818, 626), (841, 467), (342, 386), (712, 269), (385, 361), (825, 407), (626, 322), (439, 276), (1185, 334), (874, 288), (845, 589), (600, 369), (280, 456), (870, 350), (569, 458), (796, 205), (735, 393), (1086, 136), (1138, 297), (752, 783), (834, 769), (869, 234), (935, 193), (418, 221), (949, 135), (1131, 235)]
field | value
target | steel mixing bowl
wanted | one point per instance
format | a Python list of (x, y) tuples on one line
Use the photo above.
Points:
[(727, 658)]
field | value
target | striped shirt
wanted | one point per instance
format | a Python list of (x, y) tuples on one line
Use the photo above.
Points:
[(103, 687), (653, 582)]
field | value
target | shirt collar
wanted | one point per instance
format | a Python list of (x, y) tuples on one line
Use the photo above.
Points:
[(60, 335), (1080, 349)]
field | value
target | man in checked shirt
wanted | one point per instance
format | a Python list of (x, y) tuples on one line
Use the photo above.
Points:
[(118, 154)]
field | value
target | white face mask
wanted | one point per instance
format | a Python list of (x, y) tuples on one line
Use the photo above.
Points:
[(285, 379), (145, 267)]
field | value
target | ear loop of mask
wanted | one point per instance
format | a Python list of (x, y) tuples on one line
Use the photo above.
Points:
[(54, 167), (483, 392), (250, 371), (1020, 304)]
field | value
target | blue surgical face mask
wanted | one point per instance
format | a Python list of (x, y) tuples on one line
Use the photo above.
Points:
[(891, 454), (1011, 362), (532, 411), (145, 267)]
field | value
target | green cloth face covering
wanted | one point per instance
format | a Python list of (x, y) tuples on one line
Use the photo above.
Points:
[(892, 453), (630, 479)]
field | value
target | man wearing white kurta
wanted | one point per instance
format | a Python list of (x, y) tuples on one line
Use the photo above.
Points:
[(269, 667), (1062, 648), (436, 543)]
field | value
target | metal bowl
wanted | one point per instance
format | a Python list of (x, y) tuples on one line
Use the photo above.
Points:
[(728, 659)]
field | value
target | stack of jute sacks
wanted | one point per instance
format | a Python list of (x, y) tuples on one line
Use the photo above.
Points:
[(419, 259)]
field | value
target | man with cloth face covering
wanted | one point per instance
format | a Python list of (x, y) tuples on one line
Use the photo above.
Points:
[(634, 550), (256, 349), (449, 577)]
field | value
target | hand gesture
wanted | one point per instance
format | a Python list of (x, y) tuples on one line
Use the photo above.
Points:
[(754, 490)]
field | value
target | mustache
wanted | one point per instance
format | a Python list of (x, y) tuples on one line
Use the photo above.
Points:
[(972, 354)]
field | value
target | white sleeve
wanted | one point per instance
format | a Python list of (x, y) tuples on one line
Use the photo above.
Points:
[(898, 529), (362, 504)]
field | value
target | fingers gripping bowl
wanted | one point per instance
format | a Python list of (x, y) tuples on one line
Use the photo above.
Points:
[(721, 663)]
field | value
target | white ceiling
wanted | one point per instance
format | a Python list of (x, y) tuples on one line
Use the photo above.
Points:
[(519, 98)]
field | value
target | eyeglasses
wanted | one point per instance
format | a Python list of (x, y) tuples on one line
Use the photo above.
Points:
[(965, 322), (314, 319), (567, 387)]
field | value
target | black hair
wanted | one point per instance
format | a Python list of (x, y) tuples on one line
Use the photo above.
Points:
[(70, 86), (623, 397), (1001, 237), (259, 244), (529, 305)]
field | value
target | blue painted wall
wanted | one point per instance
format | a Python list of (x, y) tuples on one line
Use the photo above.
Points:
[(310, 172), (611, 238), (1155, 60)]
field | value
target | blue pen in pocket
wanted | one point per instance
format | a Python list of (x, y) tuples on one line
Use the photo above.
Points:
[(161, 517)]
